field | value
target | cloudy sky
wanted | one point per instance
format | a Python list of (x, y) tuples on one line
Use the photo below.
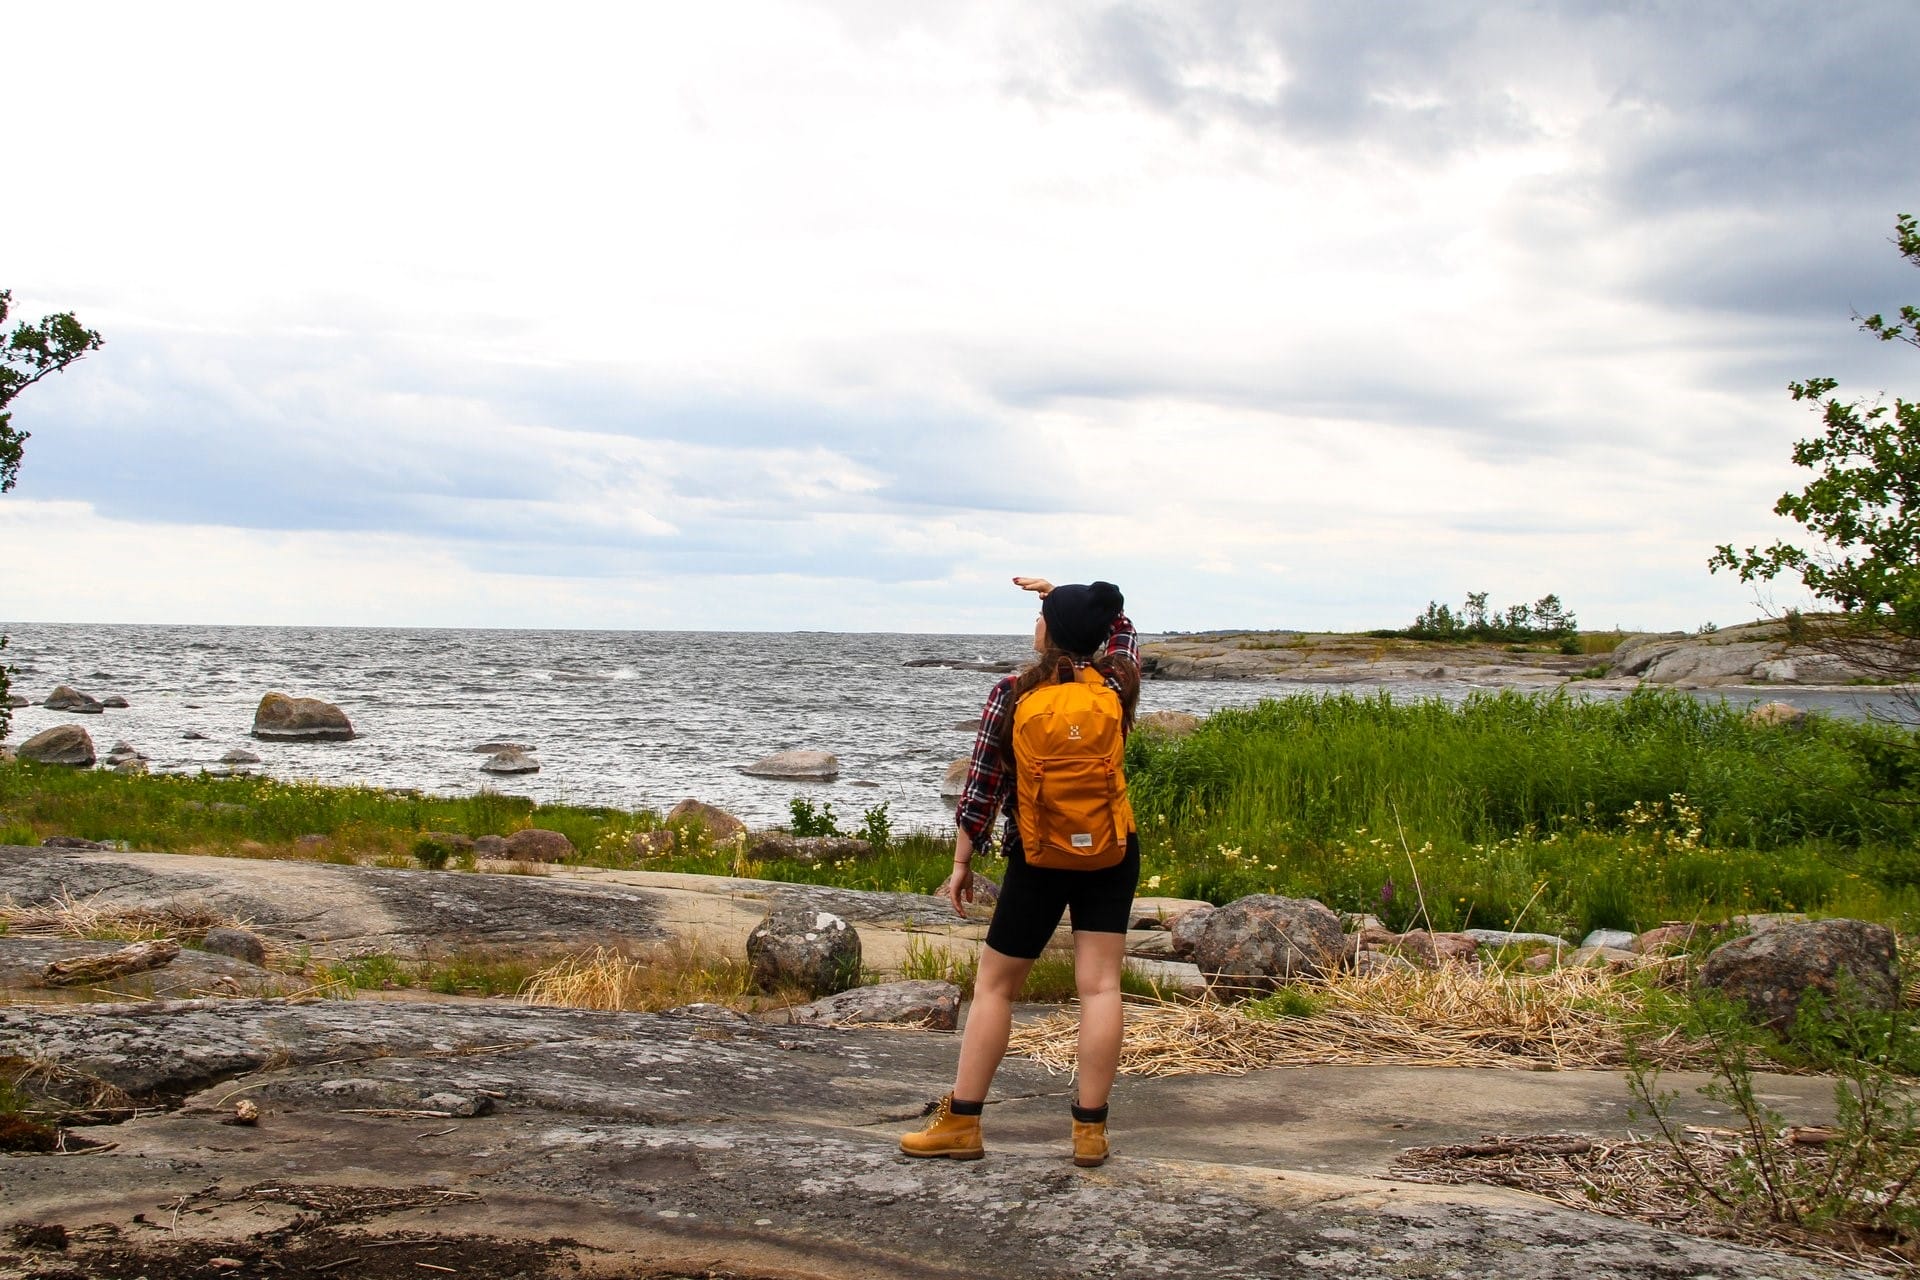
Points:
[(835, 316)]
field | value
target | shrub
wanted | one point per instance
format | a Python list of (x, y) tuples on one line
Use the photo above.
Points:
[(1857, 1180), (808, 821)]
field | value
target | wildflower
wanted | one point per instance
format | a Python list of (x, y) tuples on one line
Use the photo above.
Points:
[(1153, 882)]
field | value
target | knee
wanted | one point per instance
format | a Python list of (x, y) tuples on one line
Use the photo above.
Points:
[(1096, 985), (1000, 978)]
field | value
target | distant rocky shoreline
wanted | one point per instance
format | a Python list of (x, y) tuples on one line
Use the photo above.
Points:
[(1755, 655)]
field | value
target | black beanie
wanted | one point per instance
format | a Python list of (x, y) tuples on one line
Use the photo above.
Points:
[(1079, 615)]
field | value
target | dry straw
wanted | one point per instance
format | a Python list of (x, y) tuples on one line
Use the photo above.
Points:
[(67, 917), (676, 973), (1448, 1017)]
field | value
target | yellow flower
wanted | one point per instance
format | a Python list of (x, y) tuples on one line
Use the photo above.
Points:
[(1153, 882)]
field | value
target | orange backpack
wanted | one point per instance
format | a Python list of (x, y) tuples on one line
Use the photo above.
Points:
[(1067, 753)]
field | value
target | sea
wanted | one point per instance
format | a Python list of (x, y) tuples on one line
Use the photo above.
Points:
[(630, 719)]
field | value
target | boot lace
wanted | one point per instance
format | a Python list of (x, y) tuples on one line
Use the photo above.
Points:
[(939, 1110)]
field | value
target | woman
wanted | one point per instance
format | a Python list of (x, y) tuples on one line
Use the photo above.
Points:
[(1084, 626)]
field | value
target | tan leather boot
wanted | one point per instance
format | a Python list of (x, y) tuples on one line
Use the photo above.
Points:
[(1089, 1143), (949, 1135)]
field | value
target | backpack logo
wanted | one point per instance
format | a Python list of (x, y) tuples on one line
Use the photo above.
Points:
[(1073, 733)]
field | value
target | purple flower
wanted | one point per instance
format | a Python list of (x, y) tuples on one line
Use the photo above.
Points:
[(1386, 892)]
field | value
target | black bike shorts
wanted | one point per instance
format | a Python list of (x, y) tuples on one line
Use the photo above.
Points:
[(1033, 899)]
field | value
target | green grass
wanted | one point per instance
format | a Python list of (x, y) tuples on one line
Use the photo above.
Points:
[(460, 973), (1583, 814), (1509, 811), (266, 817)]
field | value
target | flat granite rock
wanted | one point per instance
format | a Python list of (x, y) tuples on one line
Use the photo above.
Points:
[(648, 1140), (348, 908)]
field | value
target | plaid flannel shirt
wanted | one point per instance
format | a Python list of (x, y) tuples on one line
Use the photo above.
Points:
[(990, 780)]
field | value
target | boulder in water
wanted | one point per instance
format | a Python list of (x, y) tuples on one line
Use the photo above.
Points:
[(114, 701), (62, 744), (510, 762), (15, 702), (239, 756), (798, 766), (67, 698), (954, 784), (281, 718)]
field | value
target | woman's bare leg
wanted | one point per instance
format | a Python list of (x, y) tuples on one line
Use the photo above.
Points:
[(989, 1023), (1096, 972)]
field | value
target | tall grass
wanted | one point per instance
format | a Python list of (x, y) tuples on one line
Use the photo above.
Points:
[(1598, 813)]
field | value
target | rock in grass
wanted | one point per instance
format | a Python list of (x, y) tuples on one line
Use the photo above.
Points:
[(798, 766), (537, 845), (236, 944), (67, 698), (1771, 971), (1508, 938), (62, 744), (1432, 950), (1619, 939), (1257, 943), (816, 951), (1776, 715), (1666, 937), (281, 718), (920, 1003), (1186, 929), (720, 824), (1614, 959), (771, 846)]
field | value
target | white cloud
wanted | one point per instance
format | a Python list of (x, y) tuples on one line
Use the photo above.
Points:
[(855, 310)]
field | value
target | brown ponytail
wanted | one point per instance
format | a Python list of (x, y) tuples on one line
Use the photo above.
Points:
[(1056, 666)]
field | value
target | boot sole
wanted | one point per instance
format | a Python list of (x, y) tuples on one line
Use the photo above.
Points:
[(1089, 1162), (945, 1155)]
